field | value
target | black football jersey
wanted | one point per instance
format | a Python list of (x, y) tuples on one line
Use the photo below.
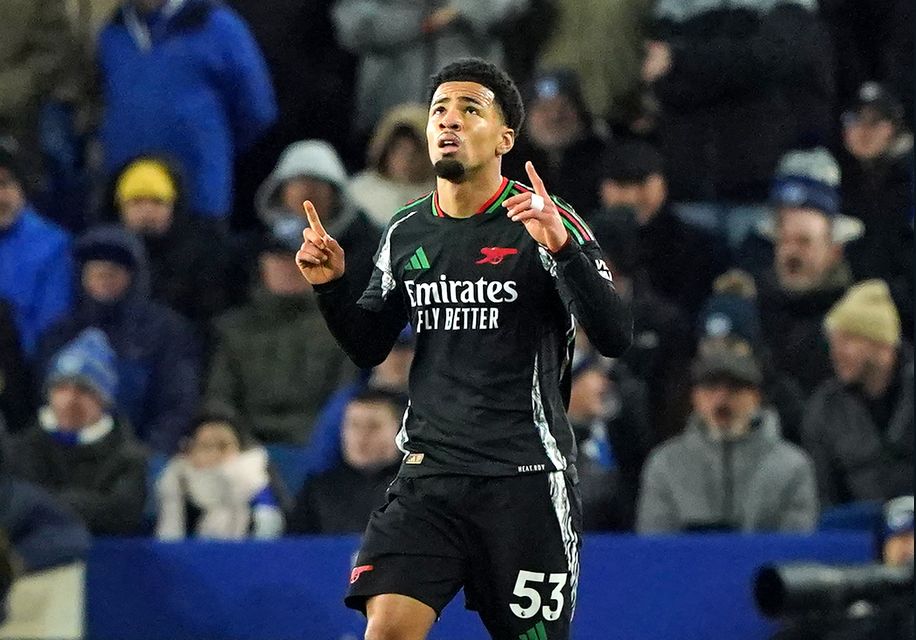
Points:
[(494, 314)]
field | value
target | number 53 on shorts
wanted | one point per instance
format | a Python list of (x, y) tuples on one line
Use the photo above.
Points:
[(529, 587)]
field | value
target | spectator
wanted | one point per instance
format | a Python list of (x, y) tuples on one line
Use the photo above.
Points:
[(738, 84), (560, 138), (399, 170), (221, 487), (189, 265), (36, 266), (680, 259), (391, 375), (808, 272), (340, 500), (730, 319), (157, 357), (877, 187), (602, 42), (312, 170), (730, 469), (609, 416), (16, 394), (37, 64), (859, 424), (184, 79), (662, 341), (80, 450), (401, 43), (275, 363)]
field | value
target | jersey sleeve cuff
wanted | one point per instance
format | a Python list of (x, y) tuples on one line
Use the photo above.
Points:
[(569, 251), (331, 288)]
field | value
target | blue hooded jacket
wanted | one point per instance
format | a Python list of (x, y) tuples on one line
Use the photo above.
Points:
[(187, 81), (157, 356)]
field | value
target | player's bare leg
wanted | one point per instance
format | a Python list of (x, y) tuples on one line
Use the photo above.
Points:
[(396, 617)]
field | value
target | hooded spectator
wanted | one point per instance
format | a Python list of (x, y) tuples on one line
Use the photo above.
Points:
[(730, 469), (158, 359), (36, 264), (80, 450), (312, 170), (399, 169), (859, 424), (560, 138), (877, 187), (221, 487)]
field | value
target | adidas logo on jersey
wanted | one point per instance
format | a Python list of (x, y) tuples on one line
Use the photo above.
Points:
[(417, 261)]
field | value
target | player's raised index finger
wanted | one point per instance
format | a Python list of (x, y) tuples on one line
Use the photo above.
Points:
[(314, 220), (536, 181)]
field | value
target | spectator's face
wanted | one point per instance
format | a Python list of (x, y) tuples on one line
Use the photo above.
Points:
[(867, 134), (466, 130), (105, 281), (587, 396), (147, 216), (553, 123), (854, 357), (898, 549), (297, 190), (75, 406), (405, 160), (12, 198), (805, 251), (725, 405), (281, 276), (213, 444), (645, 198), (369, 430)]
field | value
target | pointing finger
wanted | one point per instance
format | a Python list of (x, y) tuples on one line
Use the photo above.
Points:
[(314, 220), (536, 181)]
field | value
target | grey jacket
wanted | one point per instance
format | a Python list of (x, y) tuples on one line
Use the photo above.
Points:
[(854, 460), (759, 482), (397, 57)]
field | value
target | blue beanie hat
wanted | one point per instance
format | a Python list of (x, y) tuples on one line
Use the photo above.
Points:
[(728, 314), (809, 178), (89, 360)]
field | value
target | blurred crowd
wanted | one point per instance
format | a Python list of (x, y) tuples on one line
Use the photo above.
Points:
[(746, 165)]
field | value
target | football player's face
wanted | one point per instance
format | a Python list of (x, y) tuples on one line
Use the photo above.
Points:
[(466, 125)]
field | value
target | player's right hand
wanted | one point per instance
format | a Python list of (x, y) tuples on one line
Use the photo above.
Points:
[(320, 258)]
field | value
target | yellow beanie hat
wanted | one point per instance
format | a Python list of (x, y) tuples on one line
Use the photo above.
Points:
[(145, 179), (867, 310)]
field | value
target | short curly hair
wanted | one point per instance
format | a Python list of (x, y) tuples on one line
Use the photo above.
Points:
[(493, 78)]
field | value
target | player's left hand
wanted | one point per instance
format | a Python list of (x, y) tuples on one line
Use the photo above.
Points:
[(543, 224)]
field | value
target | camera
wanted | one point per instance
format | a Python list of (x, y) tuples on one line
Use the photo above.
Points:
[(805, 589)]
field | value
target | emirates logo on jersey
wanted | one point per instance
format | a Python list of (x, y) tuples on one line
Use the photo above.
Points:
[(495, 255)]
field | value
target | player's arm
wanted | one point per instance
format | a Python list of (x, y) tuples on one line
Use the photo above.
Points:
[(583, 279), (365, 330)]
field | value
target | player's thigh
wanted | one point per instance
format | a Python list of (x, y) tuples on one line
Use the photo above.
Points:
[(397, 617), (412, 547), (524, 583)]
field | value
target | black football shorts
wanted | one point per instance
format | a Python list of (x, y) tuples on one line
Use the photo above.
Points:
[(511, 542)]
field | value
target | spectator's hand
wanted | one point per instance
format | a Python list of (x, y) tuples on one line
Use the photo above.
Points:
[(440, 19), (657, 62), (320, 258), (543, 224)]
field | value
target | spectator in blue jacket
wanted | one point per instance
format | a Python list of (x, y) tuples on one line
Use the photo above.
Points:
[(36, 265), (184, 78), (158, 359)]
